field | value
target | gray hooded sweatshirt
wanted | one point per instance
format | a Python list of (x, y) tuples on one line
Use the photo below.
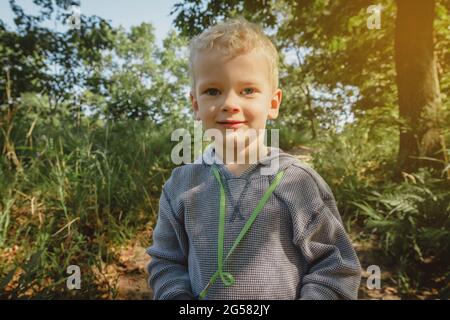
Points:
[(297, 247)]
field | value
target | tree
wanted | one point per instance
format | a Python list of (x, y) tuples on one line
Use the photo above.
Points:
[(418, 84), (139, 80), (340, 52), (48, 61), (35, 59)]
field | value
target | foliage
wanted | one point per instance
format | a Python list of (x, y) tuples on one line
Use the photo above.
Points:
[(412, 220), (82, 189)]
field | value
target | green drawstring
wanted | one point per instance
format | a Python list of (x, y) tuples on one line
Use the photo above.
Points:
[(226, 277)]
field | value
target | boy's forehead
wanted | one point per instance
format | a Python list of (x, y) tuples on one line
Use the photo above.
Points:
[(214, 57), (250, 65)]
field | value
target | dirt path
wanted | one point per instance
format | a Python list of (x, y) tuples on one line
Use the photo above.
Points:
[(129, 274), (132, 283), (369, 255)]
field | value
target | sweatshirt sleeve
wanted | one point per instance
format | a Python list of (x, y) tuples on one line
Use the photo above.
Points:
[(168, 269), (333, 269)]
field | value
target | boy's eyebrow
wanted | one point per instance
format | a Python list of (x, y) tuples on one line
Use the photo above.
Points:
[(240, 83), (208, 83)]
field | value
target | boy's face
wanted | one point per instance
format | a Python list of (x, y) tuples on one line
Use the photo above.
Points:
[(234, 93)]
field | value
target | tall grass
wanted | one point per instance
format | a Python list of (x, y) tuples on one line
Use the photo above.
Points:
[(83, 188)]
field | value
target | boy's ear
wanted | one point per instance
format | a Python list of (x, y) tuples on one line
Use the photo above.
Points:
[(275, 104), (194, 105)]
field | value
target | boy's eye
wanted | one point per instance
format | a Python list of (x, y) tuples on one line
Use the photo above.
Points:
[(212, 92), (248, 91)]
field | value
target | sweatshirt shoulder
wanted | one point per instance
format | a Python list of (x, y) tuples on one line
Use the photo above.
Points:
[(303, 176), (184, 178)]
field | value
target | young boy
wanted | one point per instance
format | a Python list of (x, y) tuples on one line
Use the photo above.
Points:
[(226, 231)]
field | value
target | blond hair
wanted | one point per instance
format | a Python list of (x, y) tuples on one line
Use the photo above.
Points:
[(232, 38)]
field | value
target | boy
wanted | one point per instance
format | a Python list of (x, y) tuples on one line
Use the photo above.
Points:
[(226, 231)]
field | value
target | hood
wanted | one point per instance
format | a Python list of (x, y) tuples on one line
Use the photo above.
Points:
[(276, 160)]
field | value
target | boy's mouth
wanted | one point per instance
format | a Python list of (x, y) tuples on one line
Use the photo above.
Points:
[(232, 124)]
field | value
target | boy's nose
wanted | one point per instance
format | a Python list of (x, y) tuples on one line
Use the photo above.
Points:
[(230, 104), (231, 108)]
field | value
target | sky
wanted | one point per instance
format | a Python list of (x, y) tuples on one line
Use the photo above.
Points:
[(120, 12)]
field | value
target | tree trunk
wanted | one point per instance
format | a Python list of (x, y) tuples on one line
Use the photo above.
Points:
[(418, 86), (311, 112)]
